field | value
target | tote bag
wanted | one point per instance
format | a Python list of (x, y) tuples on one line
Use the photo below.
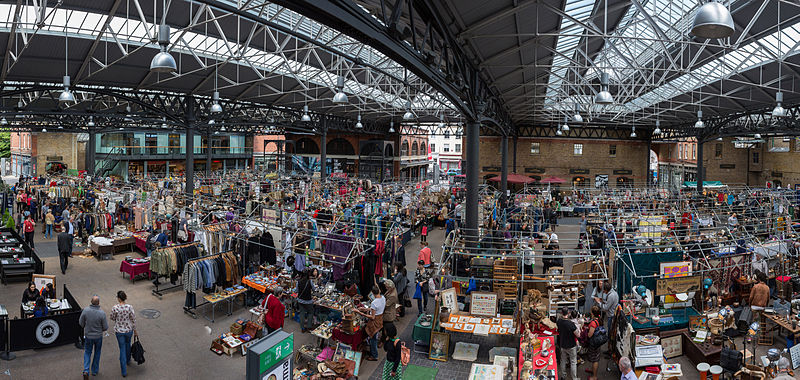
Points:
[(418, 293)]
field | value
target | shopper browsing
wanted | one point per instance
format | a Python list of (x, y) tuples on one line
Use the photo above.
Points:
[(567, 340), (424, 253), (29, 226), (64, 248), (274, 310), (94, 323), (421, 276), (391, 368), (375, 323), (49, 220), (124, 328), (626, 369), (305, 289)]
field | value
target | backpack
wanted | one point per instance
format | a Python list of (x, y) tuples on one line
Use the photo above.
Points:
[(599, 338), (137, 351)]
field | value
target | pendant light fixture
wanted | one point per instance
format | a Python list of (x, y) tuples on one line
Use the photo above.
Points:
[(3, 121), (565, 128), (44, 130), (66, 95), (757, 136), (633, 132), (558, 132), (305, 118), (604, 97), (164, 123), (163, 62), (408, 116), (215, 107), (657, 131), (577, 118), (441, 121), (712, 20), (358, 123), (391, 126), (779, 111), (212, 122), (90, 124), (699, 123), (340, 97)]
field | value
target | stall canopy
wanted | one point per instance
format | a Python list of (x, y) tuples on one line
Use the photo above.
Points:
[(514, 178), (553, 180), (706, 184)]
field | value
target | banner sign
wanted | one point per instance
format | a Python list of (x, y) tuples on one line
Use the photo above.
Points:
[(675, 285)]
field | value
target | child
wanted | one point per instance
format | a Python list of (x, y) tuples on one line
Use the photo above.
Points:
[(424, 233)]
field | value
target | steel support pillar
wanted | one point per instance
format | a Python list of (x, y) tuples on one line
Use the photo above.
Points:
[(190, 118), (700, 171), (208, 154), (647, 177), (323, 150), (91, 148), (472, 173), (514, 158), (503, 170)]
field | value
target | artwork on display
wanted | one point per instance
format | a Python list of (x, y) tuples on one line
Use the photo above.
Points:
[(675, 285), (483, 304), (675, 269), (601, 180), (449, 299), (673, 346), (698, 322), (41, 281), (439, 347)]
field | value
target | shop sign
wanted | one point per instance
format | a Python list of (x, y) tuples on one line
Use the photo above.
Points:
[(47, 331), (55, 158), (491, 168), (623, 172), (281, 372), (534, 170), (727, 166), (578, 171), (278, 352), (675, 285)]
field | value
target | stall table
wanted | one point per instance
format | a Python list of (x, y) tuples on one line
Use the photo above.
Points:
[(26, 311), (421, 334), (134, 270), (19, 267), (780, 321), (117, 246), (546, 367), (353, 340), (214, 299), (700, 352), (680, 320)]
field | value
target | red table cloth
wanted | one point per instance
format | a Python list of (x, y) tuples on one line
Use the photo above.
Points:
[(353, 340), (134, 270)]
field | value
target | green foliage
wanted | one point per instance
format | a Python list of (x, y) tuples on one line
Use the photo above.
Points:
[(5, 144), (8, 220)]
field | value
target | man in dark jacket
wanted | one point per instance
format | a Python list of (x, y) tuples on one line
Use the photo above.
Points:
[(64, 247)]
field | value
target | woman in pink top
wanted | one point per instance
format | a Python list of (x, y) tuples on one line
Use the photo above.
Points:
[(425, 254), (124, 327)]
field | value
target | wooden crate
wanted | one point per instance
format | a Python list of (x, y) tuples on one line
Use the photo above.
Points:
[(506, 270), (506, 290)]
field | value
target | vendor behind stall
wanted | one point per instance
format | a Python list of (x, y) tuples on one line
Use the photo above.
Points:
[(375, 316)]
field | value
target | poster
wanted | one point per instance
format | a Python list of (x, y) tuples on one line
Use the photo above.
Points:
[(483, 304), (449, 299), (676, 269), (675, 285)]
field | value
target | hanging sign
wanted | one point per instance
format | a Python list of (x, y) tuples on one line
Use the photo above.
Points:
[(676, 269), (675, 285)]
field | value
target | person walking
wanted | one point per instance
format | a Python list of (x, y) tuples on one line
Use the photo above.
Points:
[(423, 237), (392, 370), (124, 327), (592, 352), (421, 276), (305, 289), (94, 323), (64, 248), (29, 226), (49, 220), (567, 340)]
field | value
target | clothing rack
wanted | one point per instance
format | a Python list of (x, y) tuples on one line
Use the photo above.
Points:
[(191, 310), (160, 292)]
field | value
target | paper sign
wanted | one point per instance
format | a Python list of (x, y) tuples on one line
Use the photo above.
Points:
[(676, 269)]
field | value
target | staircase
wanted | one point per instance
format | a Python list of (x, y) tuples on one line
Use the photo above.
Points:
[(108, 162)]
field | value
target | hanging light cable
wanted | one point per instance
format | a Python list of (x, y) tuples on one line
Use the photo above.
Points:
[(604, 96), (779, 111), (66, 95), (163, 62)]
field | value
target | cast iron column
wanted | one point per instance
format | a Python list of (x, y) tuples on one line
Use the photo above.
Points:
[(190, 118), (91, 148), (323, 150), (700, 176), (514, 159), (647, 177), (472, 173), (503, 170), (208, 154)]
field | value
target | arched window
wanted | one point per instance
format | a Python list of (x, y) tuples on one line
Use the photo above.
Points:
[(404, 148), (423, 150), (414, 149), (579, 181), (306, 146), (340, 146), (371, 149), (389, 151)]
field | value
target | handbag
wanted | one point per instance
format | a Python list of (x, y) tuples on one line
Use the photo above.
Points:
[(137, 351), (418, 293), (406, 301), (730, 359), (405, 354), (251, 329)]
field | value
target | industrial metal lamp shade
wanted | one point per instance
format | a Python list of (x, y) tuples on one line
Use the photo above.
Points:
[(90, 123), (779, 111), (408, 116), (577, 118), (66, 95), (604, 97), (3, 121), (565, 128), (657, 131), (358, 123), (216, 108), (712, 20), (633, 133), (340, 97), (699, 123), (44, 130), (558, 132), (163, 62), (391, 127), (757, 136), (305, 118)]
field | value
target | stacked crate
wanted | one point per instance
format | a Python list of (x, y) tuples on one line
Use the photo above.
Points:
[(505, 278), (481, 270)]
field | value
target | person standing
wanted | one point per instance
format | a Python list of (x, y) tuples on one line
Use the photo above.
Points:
[(375, 316), (274, 310), (421, 277), (64, 247), (423, 237), (391, 368), (626, 369), (759, 296), (305, 289), (567, 340), (29, 227), (608, 304), (49, 220), (94, 323), (425, 253), (124, 327), (390, 312), (592, 352)]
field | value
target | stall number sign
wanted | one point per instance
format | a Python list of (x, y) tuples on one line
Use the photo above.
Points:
[(277, 353)]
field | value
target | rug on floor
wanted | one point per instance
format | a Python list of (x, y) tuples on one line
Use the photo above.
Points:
[(415, 372)]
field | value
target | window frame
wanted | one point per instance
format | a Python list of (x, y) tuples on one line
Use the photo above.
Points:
[(612, 150), (538, 147), (577, 149)]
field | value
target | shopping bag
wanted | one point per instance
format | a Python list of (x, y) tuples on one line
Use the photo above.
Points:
[(405, 354), (418, 293), (137, 351)]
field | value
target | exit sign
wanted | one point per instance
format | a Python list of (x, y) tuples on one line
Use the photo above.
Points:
[(278, 352)]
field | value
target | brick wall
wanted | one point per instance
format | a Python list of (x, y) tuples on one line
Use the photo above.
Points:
[(557, 157), (64, 145)]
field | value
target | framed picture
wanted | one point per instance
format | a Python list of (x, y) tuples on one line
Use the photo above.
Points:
[(440, 346), (698, 322), (673, 346), (483, 304), (41, 281), (651, 312), (449, 299)]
